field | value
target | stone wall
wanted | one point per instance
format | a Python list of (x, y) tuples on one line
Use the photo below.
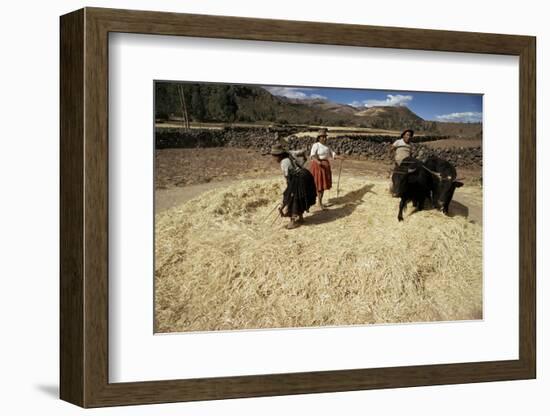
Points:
[(371, 147)]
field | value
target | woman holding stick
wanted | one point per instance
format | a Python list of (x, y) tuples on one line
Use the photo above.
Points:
[(320, 165), (300, 193)]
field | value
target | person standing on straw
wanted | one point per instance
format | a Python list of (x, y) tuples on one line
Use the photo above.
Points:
[(299, 194), (320, 166)]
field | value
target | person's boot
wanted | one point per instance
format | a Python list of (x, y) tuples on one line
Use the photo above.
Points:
[(292, 224)]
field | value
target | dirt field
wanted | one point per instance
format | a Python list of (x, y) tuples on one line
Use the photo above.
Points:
[(450, 143), (183, 167), (338, 129), (349, 131)]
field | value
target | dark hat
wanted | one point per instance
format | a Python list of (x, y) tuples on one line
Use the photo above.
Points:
[(407, 130), (277, 149), (322, 132)]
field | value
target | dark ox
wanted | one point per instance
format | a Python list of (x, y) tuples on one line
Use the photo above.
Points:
[(412, 183), (444, 182)]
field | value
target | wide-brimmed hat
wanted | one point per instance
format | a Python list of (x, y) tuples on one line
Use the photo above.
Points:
[(322, 133), (407, 130), (276, 150)]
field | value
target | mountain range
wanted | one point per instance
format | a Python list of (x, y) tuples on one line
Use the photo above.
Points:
[(252, 104)]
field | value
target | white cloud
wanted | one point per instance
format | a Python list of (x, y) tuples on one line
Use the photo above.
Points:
[(466, 117), (294, 92), (391, 100)]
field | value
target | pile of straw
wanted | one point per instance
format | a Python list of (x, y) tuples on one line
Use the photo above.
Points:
[(222, 263)]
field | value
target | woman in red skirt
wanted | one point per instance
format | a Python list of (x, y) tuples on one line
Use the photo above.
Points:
[(320, 165)]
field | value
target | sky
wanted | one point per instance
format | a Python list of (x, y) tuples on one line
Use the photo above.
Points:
[(435, 106)]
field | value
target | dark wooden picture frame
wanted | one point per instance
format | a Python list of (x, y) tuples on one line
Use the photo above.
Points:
[(84, 207)]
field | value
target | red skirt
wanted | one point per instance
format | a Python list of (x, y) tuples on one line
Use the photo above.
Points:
[(322, 174)]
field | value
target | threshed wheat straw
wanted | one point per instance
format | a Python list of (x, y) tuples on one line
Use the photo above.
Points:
[(221, 265)]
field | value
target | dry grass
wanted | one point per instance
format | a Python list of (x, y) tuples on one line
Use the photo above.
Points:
[(221, 264)]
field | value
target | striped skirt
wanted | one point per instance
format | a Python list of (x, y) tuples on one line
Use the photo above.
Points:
[(322, 174)]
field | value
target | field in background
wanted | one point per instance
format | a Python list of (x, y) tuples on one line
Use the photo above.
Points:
[(174, 123), (454, 143), (333, 130), (184, 167)]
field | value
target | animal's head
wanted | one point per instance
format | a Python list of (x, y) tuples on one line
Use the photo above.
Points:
[(447, 186)]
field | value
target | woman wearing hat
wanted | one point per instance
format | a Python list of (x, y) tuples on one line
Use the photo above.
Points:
[(299, 194), (320, 166)]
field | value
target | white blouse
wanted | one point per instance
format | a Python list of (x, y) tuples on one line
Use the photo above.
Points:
[(299, 160), (402, 150), (324, 152), (286, 164)]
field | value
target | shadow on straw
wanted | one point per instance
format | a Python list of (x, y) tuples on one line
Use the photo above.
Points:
[(353, 196), (456, 208), (348, 203)]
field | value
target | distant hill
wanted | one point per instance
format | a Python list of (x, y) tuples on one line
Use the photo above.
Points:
[(383, 116), (325, 105), (251, 104), (236, 103)]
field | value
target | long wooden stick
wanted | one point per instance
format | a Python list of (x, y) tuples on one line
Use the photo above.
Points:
[(277, 217), (185, 116), (271, 212), (339, 174)]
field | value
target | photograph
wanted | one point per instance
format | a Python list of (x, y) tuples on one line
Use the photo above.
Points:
[(306, 206), (299, 206)]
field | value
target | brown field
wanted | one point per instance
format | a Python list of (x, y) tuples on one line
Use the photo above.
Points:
[(170, 124), (224, 261), (336, 130), (181, 167), (184, 167), (453, 143), (350, 131)]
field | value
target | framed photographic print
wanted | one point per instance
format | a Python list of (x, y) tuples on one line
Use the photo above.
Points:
[(255, 207)]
